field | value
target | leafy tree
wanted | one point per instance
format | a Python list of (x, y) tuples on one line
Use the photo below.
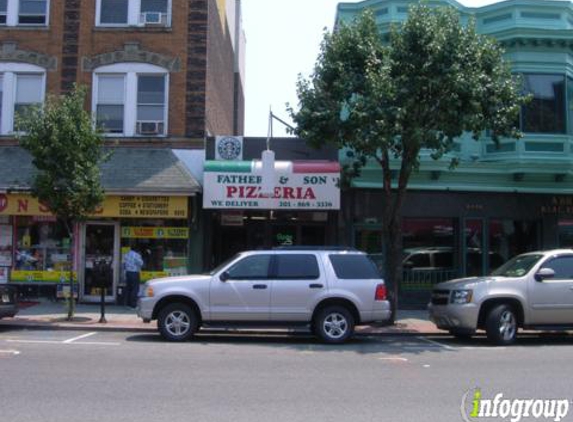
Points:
[(66, 150), (387, 97)]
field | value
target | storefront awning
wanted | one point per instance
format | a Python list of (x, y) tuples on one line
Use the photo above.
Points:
[(129, 171)]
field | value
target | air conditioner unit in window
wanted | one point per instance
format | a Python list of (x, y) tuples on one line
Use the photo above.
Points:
[(150, 127), (153, 18)]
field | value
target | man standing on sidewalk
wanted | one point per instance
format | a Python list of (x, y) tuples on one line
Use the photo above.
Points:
[(132, 263)]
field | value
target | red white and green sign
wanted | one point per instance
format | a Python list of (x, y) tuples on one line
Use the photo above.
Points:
[(299, 185)]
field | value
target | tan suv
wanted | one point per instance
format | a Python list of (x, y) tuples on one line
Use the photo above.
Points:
[(531, 291), (329, 290)]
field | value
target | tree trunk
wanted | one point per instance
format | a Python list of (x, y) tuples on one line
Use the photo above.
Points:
[(71, 303), (392, 239)]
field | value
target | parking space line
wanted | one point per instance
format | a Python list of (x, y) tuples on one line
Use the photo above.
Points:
[(9, 352), (34, 341), (71, 340), (445, 346)]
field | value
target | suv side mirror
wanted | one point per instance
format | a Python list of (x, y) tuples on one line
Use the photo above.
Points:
[(544, 273), (224, 276)]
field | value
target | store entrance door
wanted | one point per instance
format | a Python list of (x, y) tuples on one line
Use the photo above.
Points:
[(100, 246)]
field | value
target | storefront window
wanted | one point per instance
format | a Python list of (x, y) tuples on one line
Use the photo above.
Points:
[(162, 244), (41, 245), (566, 233), (508, 238), (430, 255), (546, 111)]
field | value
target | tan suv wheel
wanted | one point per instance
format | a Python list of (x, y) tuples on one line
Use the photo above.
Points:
[(501, 325), (334, 324)]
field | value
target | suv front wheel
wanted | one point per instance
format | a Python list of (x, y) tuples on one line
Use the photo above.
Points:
[(333, 324), (177, 322), (501, 325)]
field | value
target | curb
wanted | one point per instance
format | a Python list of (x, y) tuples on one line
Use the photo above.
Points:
[(93, 325)]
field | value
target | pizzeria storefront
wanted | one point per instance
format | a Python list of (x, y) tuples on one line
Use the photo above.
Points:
[(300, 209), (36, 253)]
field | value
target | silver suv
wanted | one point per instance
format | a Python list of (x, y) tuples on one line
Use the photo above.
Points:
[(330, 290), (531, 291)]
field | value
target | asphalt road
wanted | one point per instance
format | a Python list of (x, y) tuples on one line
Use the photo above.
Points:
[(81, 376)]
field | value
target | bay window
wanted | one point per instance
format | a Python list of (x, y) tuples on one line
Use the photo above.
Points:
[(546, 111)]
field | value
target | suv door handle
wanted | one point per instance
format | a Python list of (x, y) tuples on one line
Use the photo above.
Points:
[(316, 286), (259, 286)]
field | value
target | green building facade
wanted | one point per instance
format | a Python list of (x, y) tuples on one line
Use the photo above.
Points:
[(501, 200)]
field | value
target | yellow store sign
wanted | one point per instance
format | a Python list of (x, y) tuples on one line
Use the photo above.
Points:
[(113, 206), (155, 232), (41, 276)]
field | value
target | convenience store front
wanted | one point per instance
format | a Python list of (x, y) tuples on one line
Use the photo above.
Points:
[(36, 253)]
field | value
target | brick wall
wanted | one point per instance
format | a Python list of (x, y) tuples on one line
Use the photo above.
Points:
[(196, 46)]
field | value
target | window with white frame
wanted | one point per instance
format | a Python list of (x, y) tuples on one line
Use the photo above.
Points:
[(24, 12), (22, 86), (130, 99), (133, 13)]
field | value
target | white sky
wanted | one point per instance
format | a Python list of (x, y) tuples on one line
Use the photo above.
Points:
[(283, 39)]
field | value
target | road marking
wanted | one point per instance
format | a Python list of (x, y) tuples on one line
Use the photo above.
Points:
[(34, 341), (96, 343), (445, 346), (71, 340), (9, 352), (394, 359)]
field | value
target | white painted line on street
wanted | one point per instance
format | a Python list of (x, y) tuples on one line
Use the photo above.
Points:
[(34, 341), (426, 366), (9, 352), (395, 359), (96, 343), (71, 340), (445, 346)]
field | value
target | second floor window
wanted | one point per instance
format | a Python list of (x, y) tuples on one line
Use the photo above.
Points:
[(23, 12), (133, 13), (546, 111), (131, 100), (21, 88)]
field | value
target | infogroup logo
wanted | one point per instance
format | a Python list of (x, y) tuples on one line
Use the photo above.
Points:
[(475, 406)]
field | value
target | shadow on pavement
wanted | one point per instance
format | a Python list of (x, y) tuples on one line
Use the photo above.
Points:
[(305, 342)]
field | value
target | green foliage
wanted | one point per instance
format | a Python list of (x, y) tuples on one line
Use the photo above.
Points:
[(66, 150), (430, 81)]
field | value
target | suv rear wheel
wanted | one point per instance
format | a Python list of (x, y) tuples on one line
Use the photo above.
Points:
[(501, 325), (333, 324), (177, 322)]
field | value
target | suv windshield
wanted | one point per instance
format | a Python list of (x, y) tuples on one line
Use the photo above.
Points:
[(517, 266)]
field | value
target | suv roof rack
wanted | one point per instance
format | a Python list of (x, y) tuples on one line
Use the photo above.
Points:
[(316, 248)]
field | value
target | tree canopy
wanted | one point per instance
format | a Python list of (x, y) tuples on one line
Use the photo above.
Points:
[(66, 150)]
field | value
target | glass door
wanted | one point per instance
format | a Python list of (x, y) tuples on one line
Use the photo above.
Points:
[(100, 258)]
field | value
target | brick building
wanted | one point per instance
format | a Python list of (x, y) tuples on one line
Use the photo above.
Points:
[(161, 76)]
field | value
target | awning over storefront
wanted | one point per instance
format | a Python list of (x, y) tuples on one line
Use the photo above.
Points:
[(129, 171)]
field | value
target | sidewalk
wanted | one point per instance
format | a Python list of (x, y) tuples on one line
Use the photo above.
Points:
[(52, 315)]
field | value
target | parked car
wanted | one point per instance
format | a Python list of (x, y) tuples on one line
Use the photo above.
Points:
[(8, 301), (330, 290), (530, 291)]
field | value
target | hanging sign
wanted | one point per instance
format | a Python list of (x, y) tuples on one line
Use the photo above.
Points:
[(308, 185)]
